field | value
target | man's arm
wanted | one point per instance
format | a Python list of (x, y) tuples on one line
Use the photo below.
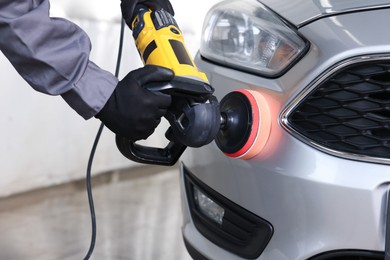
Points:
[(52, 55)]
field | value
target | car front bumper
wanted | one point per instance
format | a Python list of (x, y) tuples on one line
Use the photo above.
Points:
[(315, 201)]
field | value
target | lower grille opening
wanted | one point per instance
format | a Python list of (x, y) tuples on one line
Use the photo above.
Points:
[(225, 223)]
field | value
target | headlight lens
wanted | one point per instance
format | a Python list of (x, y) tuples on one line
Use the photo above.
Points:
[(248, 36)]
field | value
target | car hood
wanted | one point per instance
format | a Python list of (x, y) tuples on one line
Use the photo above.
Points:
[(301, 12)]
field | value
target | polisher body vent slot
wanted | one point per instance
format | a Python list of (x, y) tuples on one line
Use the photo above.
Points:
[(349, 112)]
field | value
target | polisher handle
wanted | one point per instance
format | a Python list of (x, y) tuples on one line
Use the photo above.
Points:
[(166, 156)]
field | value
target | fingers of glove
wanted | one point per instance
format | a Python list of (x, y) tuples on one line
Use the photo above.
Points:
[(149, 122), (160, 112), (138, 135), (149, 118), (151, 73), (132, 116), (160, 100), (145, 129), (130, 92), (136, 129), (146, 134)]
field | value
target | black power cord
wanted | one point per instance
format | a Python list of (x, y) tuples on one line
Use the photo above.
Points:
[(92, 154)]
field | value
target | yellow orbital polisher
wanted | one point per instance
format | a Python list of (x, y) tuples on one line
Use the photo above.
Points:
[(194, 115), (240, 124)]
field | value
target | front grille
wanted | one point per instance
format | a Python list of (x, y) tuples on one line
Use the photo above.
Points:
[(349, 112)]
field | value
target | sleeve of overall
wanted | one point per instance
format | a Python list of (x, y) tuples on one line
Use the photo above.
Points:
[(52, 55)]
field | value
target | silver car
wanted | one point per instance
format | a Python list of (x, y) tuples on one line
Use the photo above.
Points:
[(316, 187)]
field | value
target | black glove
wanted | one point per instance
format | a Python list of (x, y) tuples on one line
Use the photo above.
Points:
[(128, 6), (133, 111)]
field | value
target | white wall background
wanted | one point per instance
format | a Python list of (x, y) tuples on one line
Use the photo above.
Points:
[(43, 141)]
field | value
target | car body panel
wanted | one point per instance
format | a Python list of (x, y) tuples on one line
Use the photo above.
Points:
[(315, 201), (301, 12)]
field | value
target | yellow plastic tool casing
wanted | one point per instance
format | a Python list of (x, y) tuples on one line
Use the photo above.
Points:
[(160, 42)]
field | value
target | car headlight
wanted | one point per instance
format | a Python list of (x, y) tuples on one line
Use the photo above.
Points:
[(247, 35)]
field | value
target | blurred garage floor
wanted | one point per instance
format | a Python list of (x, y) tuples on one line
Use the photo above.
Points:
[(138, 215)]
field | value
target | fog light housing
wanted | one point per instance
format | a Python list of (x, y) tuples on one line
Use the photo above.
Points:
[(208, 207), (223, 222)]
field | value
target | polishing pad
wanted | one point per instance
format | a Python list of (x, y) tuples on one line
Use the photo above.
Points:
[(246, 124)]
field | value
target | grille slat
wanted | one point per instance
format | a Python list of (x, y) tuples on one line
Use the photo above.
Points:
[(349, 111)]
